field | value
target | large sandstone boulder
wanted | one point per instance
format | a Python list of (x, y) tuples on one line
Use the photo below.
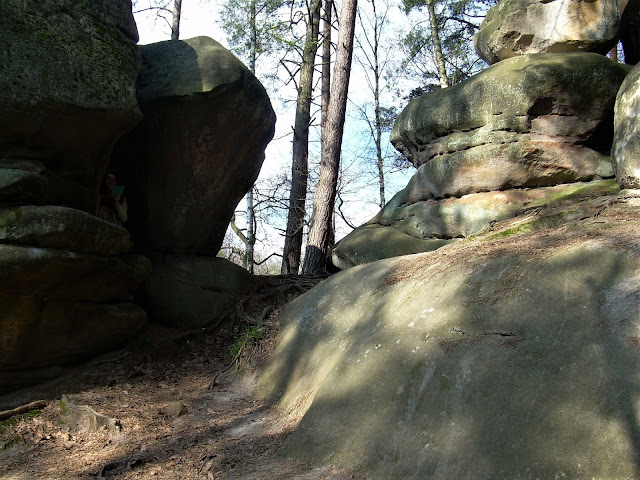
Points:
[(67, 76), (481, 146), (520, 27), (405, 226), (514, 358), (552, 100), (207, 121), (625, 152), (189, 292)]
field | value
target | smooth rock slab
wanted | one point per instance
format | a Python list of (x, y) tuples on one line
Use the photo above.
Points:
[(625, 153), (22, 186), (62, 274), (520, 27), (515, 358), (555, 98), (62, 228), (405, 227)]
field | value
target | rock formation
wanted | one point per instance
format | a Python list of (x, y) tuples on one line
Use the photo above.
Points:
[(525, 129), (625, 152), (207, 121), (190, 291), (68, 83), (512, 355), (67, 279), (520, 27)]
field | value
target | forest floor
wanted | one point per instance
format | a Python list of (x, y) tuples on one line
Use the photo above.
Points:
[(223, 431)]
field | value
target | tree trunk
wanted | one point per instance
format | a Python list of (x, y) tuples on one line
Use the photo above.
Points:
[(376, 94), (326, 67), (320, 230), (175, 22), (437, 45), (251, 234), (300, 164)]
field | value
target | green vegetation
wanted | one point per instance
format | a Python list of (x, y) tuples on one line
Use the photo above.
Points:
[(249, 336)]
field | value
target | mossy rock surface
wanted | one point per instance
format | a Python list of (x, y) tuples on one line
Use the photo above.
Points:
[(565, 98), (625, 152), (62, 228)]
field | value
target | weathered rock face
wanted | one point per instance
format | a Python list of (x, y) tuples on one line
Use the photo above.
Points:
[(519, 27), (60, 305), (542, 121), (193, 292), (207, 121), (625, 152), (546, 98), (67, 280), (508, 358), (404, 227), (67, 73)]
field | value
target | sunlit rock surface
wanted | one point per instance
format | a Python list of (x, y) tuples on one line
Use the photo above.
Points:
[(508, 356), (519, 27)]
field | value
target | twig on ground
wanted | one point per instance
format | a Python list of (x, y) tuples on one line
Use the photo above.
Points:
[(37, 405)]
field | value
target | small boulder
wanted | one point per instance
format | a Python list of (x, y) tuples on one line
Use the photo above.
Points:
[(175, 410)]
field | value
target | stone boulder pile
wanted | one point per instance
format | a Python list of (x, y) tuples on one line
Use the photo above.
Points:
[(530, 130), (207, 121), (67, 278)]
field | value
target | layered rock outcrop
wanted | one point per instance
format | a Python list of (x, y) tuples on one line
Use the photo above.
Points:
[(526, 129), (207, 121), (67, 278), (506, 356)]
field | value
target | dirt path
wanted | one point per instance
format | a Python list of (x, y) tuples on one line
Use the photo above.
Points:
[(225, 434)]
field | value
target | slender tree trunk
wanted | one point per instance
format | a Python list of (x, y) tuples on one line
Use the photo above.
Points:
[(325, 92), (326, 67), (323, 206), (300, 164), (251, 234), (175, 22), (435, 35), (376, 94)]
